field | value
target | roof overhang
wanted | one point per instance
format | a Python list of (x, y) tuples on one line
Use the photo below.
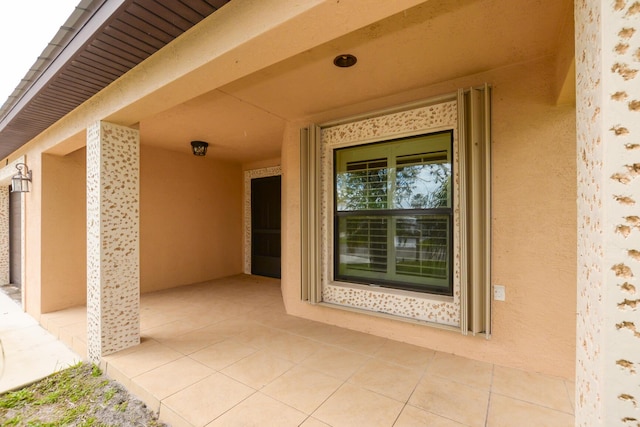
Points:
[(99, 42)]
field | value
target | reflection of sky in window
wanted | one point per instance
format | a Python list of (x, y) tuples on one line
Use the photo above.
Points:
[(428, 188)]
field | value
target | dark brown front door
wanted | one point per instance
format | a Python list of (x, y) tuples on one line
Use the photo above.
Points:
[(15, 239), (265, 226)]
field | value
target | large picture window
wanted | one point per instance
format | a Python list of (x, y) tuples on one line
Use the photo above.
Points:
[(393, 213)]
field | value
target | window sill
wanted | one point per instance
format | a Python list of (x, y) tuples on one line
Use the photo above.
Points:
[(395, 303)]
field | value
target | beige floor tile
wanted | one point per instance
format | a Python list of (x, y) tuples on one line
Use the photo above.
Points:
[(312, 422), (259, 336), (291, 347), (232, 327), (53, 321), (144, 343), (79, 347), (258, 369), (335, 361), (277, 319), (302, 388), (193, 341), (172, 377), (356, 341), (532, 387), (154, 318), (354, 406), (460, 369), (172, 418), (407, 355), (571, 390), (385, 378), (260, 410), (220, 355), (507, 412), (415, 417), (206, 400), (171, 330), (318, 331), (143, 359), (73, 331), (452, 400)]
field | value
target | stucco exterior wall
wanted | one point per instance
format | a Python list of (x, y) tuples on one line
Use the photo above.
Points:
[(533, 220), (190, 218), (64, 237)]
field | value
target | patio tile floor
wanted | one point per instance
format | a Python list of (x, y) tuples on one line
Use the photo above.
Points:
[(225, 353)]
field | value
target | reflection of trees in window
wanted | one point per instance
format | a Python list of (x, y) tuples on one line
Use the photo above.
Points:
[(363, 185), (393, 211)]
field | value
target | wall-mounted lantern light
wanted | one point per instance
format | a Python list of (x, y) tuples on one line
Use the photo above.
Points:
[(20, 181), (199, 148)]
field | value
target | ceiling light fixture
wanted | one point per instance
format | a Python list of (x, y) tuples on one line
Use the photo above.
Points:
[(199, 148), (345, 60)]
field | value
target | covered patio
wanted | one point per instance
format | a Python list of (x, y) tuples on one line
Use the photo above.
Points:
[(224, 352)]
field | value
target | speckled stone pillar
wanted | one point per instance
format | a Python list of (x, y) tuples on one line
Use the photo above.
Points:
[(4, 235), (113, 261), (608, 149)]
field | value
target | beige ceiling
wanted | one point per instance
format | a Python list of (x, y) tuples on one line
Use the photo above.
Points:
[(437, 41)]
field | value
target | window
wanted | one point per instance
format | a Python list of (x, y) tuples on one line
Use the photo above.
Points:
[(396, 214), (393, 214)]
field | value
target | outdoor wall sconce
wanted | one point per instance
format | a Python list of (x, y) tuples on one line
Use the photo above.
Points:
[(20, 181), (345, 60), (199, 148)]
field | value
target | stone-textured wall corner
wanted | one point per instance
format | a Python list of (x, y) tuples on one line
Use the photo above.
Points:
[(608, 112), (113, 259)]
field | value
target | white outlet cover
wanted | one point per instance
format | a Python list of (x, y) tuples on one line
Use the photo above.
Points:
[(499, 293)]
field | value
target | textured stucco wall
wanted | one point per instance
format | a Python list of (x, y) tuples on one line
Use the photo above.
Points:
[(191, 218), (608, 138), (64, 237), (533, 220)]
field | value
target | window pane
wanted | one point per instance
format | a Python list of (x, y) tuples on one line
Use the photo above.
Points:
[(422, 181), (363, 185), (422, 246), (363, 244), (393, 211)]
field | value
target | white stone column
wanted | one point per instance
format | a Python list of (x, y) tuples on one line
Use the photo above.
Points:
[(608, 149), (113, 261)]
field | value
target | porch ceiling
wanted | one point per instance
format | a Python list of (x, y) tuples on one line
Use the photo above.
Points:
[(434, 42)]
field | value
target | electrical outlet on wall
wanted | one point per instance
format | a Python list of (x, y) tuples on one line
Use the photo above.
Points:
[(499, 293)]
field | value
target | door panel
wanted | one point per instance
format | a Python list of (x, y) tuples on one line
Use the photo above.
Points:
[(265, 226)]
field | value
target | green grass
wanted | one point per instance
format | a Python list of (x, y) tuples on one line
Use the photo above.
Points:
[(78, 396)]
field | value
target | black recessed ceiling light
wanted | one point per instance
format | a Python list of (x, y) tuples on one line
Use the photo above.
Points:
[(345, 60)]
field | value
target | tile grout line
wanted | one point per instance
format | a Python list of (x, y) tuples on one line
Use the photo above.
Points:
[(486, 414)]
